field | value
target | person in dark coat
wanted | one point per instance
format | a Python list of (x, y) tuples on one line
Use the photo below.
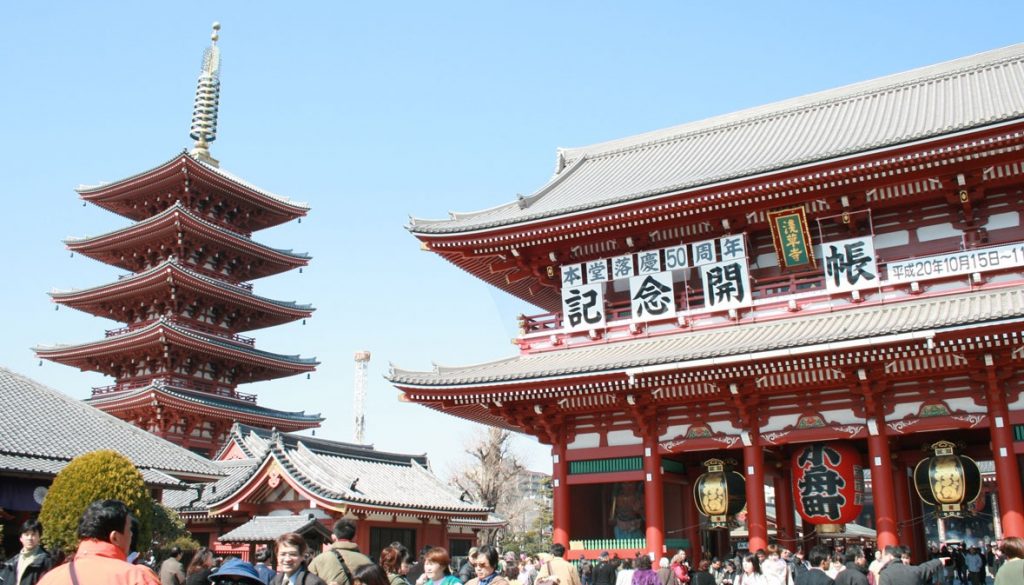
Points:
[(29, 565), (604, 572), (856, 572), (234, 572), (896, 572), (702, 576), (820, 559)]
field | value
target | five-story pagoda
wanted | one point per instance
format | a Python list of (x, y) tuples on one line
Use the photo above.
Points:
[(179, 358)]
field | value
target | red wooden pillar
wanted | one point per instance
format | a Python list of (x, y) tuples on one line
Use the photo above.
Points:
[(881, 484), (1008, 480), (691, 519), (560, 495), (785, 520), (654, 494), (901, 502), (757, 514), (362, 536)]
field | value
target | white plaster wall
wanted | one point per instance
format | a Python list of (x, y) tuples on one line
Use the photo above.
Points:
[(674, 431), (892, 239), (966, 405), (779, 422), (1003, 220), (903, 410), (843, 417), (620, 438), (724, 426), (585, 441), (937, 232)]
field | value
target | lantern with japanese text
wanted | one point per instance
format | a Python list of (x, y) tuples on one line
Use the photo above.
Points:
[(720, 494), (948, 481), (828, 485)]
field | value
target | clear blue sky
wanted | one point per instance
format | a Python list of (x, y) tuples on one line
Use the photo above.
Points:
[(372, 111)]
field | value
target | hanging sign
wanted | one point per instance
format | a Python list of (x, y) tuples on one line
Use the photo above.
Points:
[(957, 264), (720, 494), (850, 265), (791, 237)]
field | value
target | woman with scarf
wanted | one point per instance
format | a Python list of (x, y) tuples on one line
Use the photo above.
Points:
[(644, 575), (485, 566)]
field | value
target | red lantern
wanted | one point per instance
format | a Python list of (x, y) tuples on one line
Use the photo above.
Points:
[(828, 485)]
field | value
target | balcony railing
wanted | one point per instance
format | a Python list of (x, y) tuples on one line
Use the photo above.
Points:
[(251, 342), (177, 382)]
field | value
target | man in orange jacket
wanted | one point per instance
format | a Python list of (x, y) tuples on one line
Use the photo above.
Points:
[(105, 535)]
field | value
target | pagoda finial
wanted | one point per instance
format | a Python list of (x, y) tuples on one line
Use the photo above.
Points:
[(204, 113)]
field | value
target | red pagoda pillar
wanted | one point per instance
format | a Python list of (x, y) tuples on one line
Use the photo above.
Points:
[(757, 515), (1011, 503), (691, 518), (654, 494), (560, 495), (785, 520), (882, 485)]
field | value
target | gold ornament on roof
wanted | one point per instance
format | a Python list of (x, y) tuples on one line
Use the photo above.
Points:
[(204, 112)]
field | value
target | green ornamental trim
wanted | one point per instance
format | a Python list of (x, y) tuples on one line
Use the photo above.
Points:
[(618, 464)]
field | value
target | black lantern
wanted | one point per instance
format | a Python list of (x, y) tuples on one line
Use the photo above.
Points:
[(948, 481), (720, 494)]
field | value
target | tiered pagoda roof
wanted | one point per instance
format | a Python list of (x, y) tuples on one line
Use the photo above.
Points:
[(170, 285), (178, 359)]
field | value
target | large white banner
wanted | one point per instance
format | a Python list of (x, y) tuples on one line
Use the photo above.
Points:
[(850, 265), (726, 285), (583, 306), (957, 264), (652, 296)]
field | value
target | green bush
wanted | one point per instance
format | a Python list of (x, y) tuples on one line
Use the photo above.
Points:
[(100, 475)]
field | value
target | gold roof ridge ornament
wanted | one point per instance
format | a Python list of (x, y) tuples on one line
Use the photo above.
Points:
[(204, 112)]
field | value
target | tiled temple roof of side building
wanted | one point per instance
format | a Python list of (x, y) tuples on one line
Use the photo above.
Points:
[(860, 327), (972, 92), (42, 429), (208, 400), (343, 473), (268, 528)]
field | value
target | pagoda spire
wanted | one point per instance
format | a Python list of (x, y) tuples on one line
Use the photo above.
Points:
[(204, 113)]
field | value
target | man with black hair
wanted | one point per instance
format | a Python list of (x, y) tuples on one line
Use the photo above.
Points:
[(895, 572), (171, 571), (104, 539), (337, 564), (856, 572), (819, 559), (29, 565), (262, 569), (558, 570)]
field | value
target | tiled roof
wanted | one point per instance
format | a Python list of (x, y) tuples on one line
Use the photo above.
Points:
[(178, 267), (178, 209), (212, 400), (345, 475), (163, 326), (268, 528), (42, 429), (972, 92), (235, 473), (825, 332), (84, 189)]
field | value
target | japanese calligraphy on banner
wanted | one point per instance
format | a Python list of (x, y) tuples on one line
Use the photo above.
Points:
[(828, 483), (572, 275), (726, 285), (791, 237), (850, 265), (597, 271), (651, 296), (583, 306), (957, 263), (622, 267)]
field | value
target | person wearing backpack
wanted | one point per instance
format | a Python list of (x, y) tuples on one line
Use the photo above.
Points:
[(337, 563)]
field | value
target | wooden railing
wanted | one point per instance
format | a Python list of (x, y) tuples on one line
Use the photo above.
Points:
[(175, 381)]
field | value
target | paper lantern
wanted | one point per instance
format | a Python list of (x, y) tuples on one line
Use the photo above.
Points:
[(720, 494), (948, 481), (828, 485)]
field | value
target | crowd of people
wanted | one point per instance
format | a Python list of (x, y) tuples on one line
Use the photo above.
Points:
[(107, 533)]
